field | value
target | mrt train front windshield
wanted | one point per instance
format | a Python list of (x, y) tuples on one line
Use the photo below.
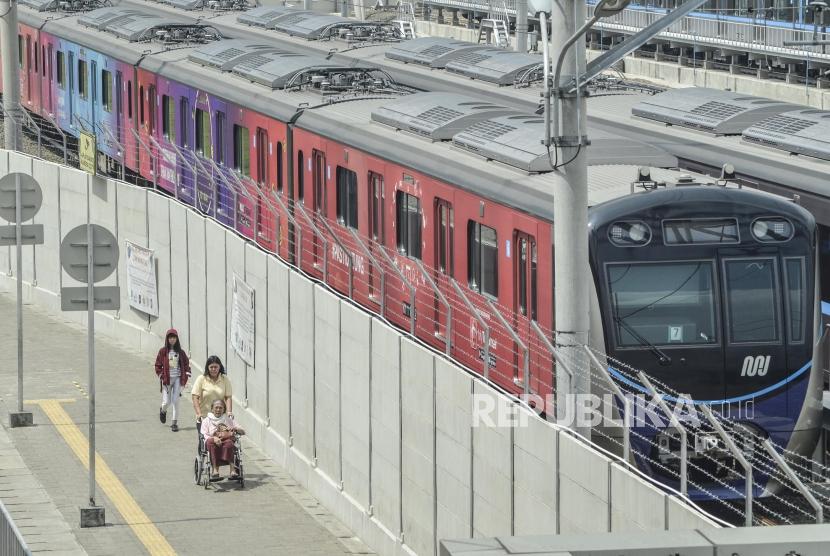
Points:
[(675, 303)]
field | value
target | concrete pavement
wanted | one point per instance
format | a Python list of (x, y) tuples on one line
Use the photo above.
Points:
[(153, 465)]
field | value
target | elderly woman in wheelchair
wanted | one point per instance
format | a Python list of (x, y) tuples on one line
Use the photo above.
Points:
[(219, 432)]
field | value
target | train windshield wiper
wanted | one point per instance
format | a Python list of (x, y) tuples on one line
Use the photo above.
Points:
[(662, 358)]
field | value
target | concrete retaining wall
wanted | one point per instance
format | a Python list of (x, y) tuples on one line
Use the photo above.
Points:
[(377, 427)]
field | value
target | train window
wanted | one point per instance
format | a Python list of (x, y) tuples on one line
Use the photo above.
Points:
[(794, 276), (106, 90), (376, 214), (482, 259), (662, 303), (444, 238), (751, 300), (347, 197), (241, 150), (220, 137), (261, 156), (35, 56), (152, 104), (300, 176), (168, 117), (526, 274), (60, 67), (280, 155), (82, 79), (318, 177), (21, 49), (43, 60), (203, 145), (184, 121), (700, 231), (141, 103), (409, 224), (129, 99)]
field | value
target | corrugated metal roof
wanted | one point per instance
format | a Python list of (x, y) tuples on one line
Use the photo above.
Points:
[(800, 132), (710, 110), (434, 52), (437, 116)]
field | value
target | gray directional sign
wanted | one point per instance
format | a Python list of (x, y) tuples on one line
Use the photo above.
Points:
[(30, 192), (74, 253)]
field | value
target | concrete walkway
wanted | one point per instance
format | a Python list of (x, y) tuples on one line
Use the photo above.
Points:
[(156, 509)]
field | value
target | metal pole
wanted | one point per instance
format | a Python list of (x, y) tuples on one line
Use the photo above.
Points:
[(805, 492), (730, 444), (570, 205), (676, 426), (90, 292), (18, 196), (521, 26), (11, 72)]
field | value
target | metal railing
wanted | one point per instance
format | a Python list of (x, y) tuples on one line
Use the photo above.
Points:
[(11, 541)]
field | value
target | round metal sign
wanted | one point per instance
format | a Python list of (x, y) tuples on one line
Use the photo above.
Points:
[(31, 194), (74, 253)]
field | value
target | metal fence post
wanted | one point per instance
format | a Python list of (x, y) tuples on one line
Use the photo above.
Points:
[(782, 463), (738, 456), (628, 410), (677, 426)]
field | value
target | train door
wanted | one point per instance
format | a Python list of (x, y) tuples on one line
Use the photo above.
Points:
[(444, 260), (318, 177), (375, 227), (753, 321), (524, 292), (119, 107)]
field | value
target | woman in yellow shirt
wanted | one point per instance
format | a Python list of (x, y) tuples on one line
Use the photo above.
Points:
[(213, 385)]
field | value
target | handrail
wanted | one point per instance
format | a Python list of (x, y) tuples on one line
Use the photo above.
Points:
[(730, 444), (348, 253), (153, 159), (768, 446), (477, 314), (376, 264), (189, 166), (160, 155), (121, 150), (293, 221), (409, 285), (625, 400), (443, 299), (316, 231), (525, 356), (31, 121), (210, 176), (63, 137), (676, 426)]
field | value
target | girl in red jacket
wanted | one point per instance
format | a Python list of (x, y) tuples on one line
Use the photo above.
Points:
[(173, 370)]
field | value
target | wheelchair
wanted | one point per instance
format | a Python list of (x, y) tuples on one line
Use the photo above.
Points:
[(202, 464)]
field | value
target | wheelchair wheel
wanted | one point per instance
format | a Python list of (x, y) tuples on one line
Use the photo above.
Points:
[(241, 475), (197, 470)]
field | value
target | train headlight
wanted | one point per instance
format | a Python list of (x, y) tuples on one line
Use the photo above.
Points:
[(773, 229), (629, 234)]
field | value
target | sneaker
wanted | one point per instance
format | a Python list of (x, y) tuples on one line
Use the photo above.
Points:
[(162, 416), (174, 427)]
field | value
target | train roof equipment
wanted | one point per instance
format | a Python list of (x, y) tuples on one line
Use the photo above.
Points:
[(434, 52), (267, 16), (64, 5), (436, 116), (495, 65), (804, 132), (215, 5), (710, 110), (136, 26), (224, 55)]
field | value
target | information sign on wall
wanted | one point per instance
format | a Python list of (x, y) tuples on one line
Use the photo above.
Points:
[(243, 332), (87, 152), (142, 289)]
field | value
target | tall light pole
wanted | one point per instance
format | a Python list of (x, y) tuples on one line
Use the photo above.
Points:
[(11, 73)]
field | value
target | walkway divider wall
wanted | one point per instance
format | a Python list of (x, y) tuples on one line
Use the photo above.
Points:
[(379, 428)]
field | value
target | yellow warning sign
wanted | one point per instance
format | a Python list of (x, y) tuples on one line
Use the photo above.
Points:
[(87, 152)]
